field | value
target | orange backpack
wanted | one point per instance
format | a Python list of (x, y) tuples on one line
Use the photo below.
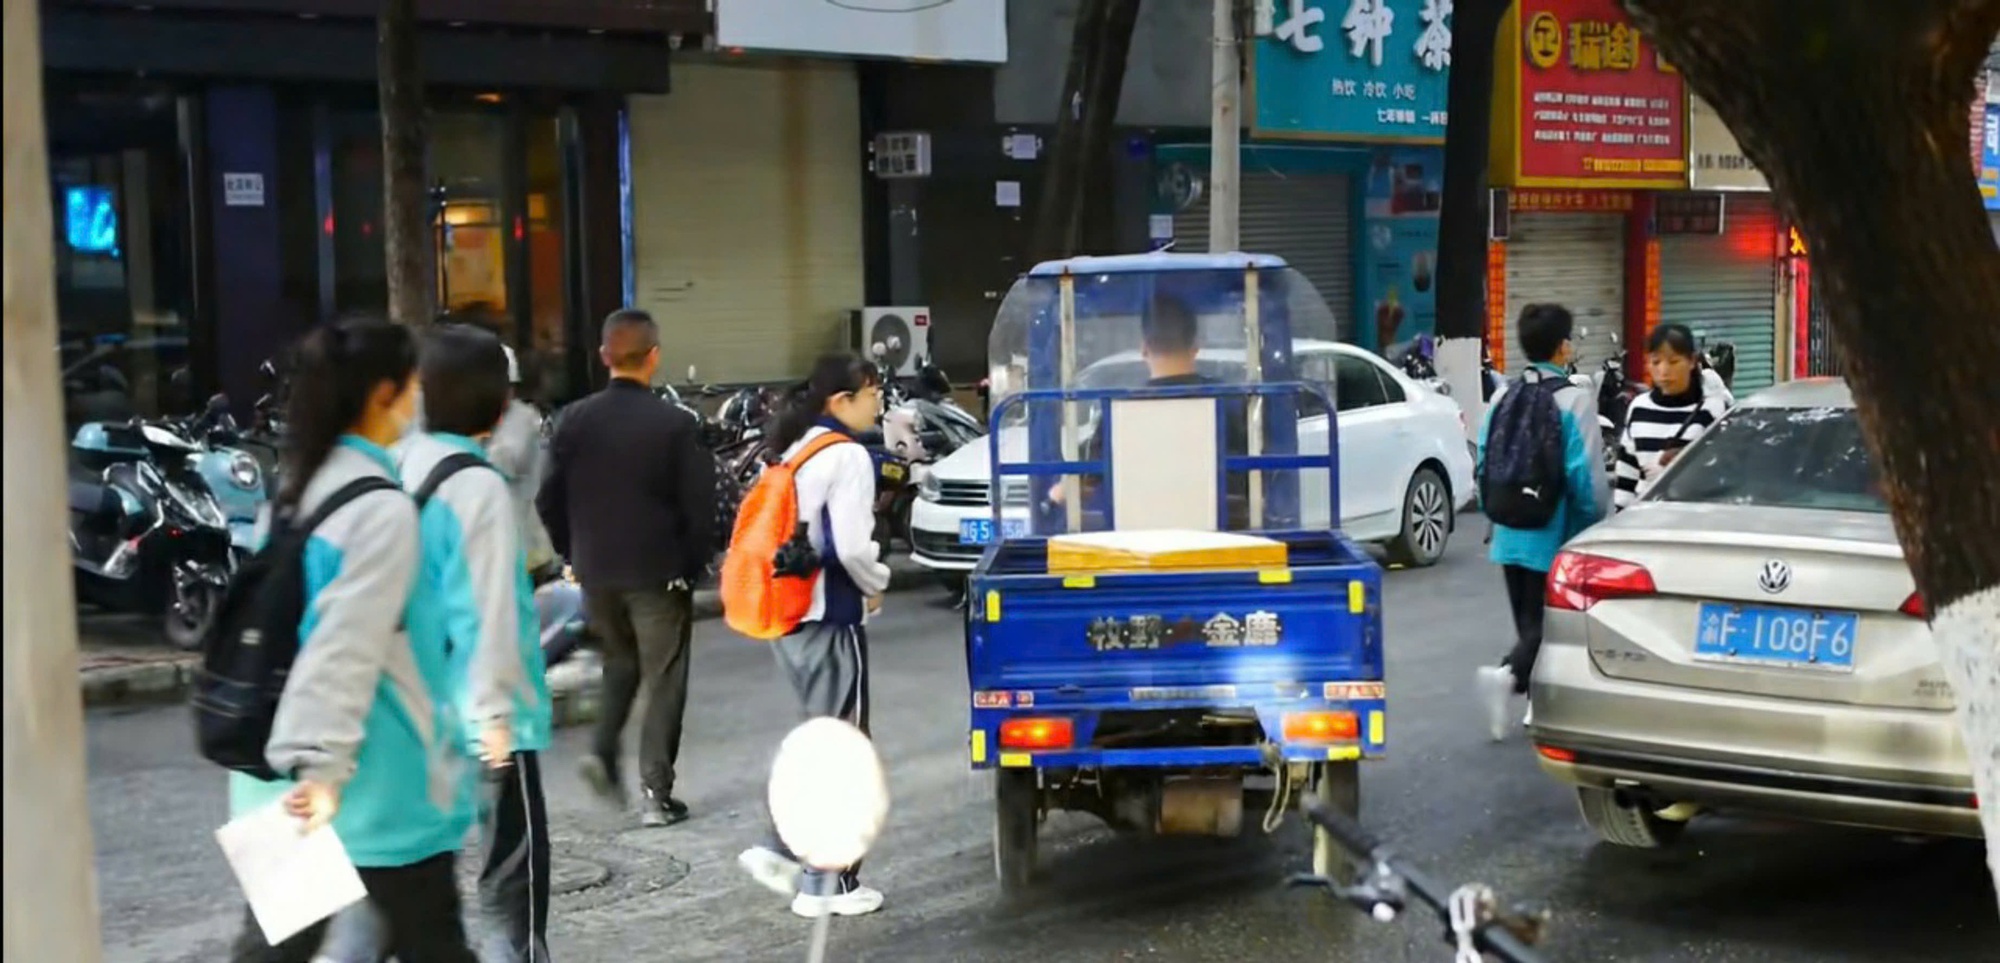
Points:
[(757, 601)]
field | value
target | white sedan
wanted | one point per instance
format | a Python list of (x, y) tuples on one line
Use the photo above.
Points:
[(1405, 468)]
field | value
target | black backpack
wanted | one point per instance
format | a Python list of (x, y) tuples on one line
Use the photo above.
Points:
[(1522, 481), (250, 647)]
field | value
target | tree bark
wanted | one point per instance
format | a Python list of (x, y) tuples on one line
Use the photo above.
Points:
[(51, 889), (1858, 113), (1099, 44), (408, 234), (1462, 214)]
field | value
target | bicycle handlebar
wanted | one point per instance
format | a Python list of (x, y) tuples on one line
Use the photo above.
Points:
[(1492, 936)]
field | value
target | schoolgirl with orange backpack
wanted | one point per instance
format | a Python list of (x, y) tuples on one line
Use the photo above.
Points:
[(804, 572)]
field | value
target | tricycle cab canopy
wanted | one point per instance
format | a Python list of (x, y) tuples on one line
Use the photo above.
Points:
[(1113, 299)]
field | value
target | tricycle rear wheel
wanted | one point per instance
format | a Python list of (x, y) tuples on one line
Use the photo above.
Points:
[(1016, 813), (1337, 785)]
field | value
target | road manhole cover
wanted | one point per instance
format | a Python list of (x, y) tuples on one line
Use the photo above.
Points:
[(568, 874)]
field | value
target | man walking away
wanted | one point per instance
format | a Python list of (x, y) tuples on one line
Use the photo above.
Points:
[(629, 499), (1540, 469)]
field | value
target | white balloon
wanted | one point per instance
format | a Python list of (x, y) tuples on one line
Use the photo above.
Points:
[(829, 796)]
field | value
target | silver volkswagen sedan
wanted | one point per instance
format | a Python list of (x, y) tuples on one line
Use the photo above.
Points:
[(1746, 638)]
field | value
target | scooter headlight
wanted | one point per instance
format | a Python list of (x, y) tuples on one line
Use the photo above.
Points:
[(245, 473)]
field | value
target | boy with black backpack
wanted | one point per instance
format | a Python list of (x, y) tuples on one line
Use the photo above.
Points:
[(1540, 470)]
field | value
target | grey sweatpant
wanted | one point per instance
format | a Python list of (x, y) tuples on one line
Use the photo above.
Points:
[(827, 668)]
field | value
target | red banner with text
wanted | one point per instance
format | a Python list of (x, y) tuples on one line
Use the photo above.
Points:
[(1586, 101)]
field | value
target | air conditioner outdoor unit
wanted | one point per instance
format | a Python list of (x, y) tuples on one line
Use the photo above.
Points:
[(898, 338)]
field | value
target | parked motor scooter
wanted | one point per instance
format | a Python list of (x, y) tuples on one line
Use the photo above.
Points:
[(146, 532)]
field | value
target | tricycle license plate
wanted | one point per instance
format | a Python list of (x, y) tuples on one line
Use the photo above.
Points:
[(1793, 638), (979, 531)]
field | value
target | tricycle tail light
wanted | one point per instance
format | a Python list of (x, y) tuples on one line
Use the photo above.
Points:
[(1037, 733), (1321, 727)]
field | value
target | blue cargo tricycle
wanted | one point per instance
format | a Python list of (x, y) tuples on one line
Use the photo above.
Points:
[(1167, 701)]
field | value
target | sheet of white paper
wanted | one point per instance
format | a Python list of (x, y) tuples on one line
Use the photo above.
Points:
[(1007, 193), (290, 880)]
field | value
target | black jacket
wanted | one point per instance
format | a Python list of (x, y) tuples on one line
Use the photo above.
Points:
[(629, 497)]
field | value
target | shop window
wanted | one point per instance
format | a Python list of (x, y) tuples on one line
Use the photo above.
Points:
[(548, 341), (123, 274)]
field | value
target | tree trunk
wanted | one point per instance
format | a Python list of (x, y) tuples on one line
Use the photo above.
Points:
[(1462, 215), (1099, 44), (408, 234), (51, 911), (1858, 113)]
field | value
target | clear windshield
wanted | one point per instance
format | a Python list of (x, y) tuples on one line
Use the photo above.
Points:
[(1779, 458), (1114, 310)]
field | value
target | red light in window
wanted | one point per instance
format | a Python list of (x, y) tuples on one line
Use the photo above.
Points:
[(519, 231), (327, 225)]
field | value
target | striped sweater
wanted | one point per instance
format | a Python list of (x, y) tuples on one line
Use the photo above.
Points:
[(1654, 424)]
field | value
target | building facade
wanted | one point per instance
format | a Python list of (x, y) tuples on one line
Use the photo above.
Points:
[(221, 191)]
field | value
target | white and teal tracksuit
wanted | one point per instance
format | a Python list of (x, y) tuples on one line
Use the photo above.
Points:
[(367, 706), (484, 603)]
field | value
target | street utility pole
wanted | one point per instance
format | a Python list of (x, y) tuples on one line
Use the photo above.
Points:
[(1225, 134), (51, 888)]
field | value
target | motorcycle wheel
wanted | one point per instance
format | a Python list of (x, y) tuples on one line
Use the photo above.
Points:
[(191, 611)]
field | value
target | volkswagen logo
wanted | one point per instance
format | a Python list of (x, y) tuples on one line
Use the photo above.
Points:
[(1775, 576)]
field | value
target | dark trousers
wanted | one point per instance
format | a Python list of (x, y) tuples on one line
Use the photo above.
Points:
[(827, 668), (418, 904), (1524, 597), (514, 875), (645, 635)]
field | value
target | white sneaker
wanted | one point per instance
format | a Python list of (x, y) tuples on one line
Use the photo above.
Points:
[(770, 869), (1495, 684), (1528, 718), (859, 901)]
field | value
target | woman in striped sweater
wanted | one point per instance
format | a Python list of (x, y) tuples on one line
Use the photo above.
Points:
[(1665, 420)]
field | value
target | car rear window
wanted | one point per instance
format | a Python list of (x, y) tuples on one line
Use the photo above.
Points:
[(1780, 457)]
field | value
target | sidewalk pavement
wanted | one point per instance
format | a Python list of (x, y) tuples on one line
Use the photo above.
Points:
[(124, 661)]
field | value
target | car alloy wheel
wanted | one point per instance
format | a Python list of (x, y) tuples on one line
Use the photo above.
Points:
[(1427, 521)]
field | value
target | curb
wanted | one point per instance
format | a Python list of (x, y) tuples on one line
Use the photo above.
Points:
[(164, 680)]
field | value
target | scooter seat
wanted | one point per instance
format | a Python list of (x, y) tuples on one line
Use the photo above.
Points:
[(90, 496)]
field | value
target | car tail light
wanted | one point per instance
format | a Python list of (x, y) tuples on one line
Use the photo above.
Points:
[(1037, 733), (1579, 580), (1554, 754), (1914, 607), (1321, 727)]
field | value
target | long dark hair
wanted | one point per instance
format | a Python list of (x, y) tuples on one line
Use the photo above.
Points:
[(334, 369), (834, 373)]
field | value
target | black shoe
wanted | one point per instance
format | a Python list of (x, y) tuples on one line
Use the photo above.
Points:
[(601, 775), (662, 810)]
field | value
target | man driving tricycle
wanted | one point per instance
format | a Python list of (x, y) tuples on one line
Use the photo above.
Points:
[(1174, 635)]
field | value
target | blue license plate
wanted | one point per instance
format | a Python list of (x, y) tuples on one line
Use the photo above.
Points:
[(979, 531), (1794, 638)]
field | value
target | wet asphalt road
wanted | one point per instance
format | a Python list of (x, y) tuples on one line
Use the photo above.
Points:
[(1469, 809)]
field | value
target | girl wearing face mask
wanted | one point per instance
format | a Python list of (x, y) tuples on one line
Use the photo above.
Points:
[(825, 659), (1664, 421), (365, 728)]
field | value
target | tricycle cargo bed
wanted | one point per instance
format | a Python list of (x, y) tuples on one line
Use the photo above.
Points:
[(1171, 636)]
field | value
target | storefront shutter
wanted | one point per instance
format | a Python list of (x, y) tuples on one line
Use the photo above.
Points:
[(1724, 287), (1577, 261), (746, 215), (1303, 218)]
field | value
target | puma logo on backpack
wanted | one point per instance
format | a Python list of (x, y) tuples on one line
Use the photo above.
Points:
[(768, 576)]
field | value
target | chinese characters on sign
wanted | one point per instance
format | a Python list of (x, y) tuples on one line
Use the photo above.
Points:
[(1149, 632), (1594, 106), (1717, 163), (1989, 158), (1577, 202), (1376, 74), (1687, 214)]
